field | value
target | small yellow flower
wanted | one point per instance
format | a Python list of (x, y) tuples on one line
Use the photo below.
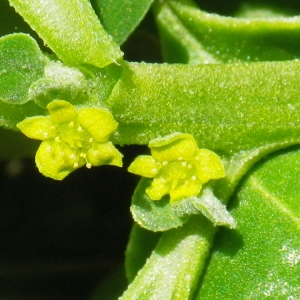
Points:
[(72, 137), (178, 167)]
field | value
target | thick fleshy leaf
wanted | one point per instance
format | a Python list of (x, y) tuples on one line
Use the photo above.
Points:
[(71, 29), (189, 35), (140, 245), (173, 268), (21, 64), (262, 258), (226, 107), (120, 17), (154, 215)]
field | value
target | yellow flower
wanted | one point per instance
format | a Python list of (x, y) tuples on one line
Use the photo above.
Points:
[(178, 167), (72, 137)]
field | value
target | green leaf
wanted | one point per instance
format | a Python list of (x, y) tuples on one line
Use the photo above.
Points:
[(71, 29), (154, 215), (189, 35), (21, 63), (89, 85), (140, 245), (11, 115), (121, 17), (262, 258), (172, 270), (208, 205), (228, 108)]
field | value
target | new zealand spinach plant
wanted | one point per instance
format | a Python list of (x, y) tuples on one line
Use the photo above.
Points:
[(220, 118)]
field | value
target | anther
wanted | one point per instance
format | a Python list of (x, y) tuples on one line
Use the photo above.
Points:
[(57, 139), (75, 165), (91, 140), (165, 163), (88, 165), (184, 164), (79, 129), (83, 155), (71, 124), (194, 177)]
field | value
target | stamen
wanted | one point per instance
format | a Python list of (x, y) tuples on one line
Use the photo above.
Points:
[(88, 165)]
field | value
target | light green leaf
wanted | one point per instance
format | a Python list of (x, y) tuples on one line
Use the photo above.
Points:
[(89, 85), (172, 270), (154, 215), (189, 35), (71, 29), (262, 258), (121, 17), (21, 63), (208, 205), (226, 107)]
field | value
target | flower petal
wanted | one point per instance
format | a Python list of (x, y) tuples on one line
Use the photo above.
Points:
[(57, 159), (39, 128), (158, 188), (187, 189), (209, 166), (104, 154), (61, 111), (99, 122), (145, 165), (176, 146)]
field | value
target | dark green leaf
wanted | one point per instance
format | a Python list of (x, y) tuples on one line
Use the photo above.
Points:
[(21, 63), (262, 258), (121, 17), (11, 115)]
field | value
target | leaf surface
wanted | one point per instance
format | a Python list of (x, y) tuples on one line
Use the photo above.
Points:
[(121, 17), (21, 64), (71, 29), (189, 35), (262, 258)]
